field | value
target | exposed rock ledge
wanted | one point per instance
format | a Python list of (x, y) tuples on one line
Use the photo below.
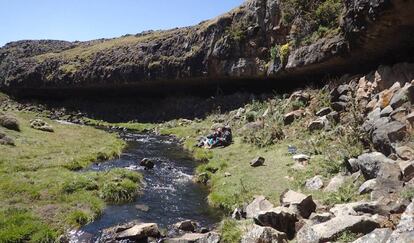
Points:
[(228, 49)]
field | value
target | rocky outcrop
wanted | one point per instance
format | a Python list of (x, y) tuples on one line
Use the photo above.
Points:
[(243, 44)]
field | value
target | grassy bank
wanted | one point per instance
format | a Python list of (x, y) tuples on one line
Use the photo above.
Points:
[(42, 193)]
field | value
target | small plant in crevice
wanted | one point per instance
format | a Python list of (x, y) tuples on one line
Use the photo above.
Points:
[(230, 231)]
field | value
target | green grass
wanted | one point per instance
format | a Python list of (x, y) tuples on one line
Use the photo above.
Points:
[(133, 126), (231, 231), (42, 194)]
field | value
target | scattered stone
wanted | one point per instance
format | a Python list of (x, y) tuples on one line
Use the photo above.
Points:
[(301, 158), (238, 214), (260, 203), (5, 140), (142, 207), (400, 114), (339, 106), (147, 163), (404, 233), (139, 232), (186, 225), (41, 125), (410, 118), (227, 174), (386, 111), (407, 168), (318, 218), (279, 218), (370, 164), (299, 202), (334, 117), (9, 122), (388, 133), (259, 161), (335, 183), (300, 96), (385, 188), (324, 111), (292, 116), (406, 94), (368, 186), (210, 237), (376, 236), (258, 234), (318, 124), (314, 183), (331, 229), (405, 152), (352, 165)]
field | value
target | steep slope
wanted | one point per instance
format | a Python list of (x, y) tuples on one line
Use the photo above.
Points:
[(262, 39)]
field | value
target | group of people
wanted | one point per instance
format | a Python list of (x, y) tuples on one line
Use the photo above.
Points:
[(221, 137)]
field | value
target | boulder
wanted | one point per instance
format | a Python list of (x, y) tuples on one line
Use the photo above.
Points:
[(335, 183), (368, 186), (410, 118), (318, 218), (260, 203), (403, 95), (400, 114), (5, 140), (300, 96), (186, 225), (258, 234), (290, 117), (339, 106), (139, 232), (324, 111), (386, 188), (386, 95), (407, 168), (301, 158), (279, 218), (386, 111), (314, 183), (41, 125), (370, 164), (299, 202), (376, 236), (210, 237), (9, 122), (334, 117), (405, 152), (352, 165), (404, 233), (147, 163), (318, 124), (357, 208), (259, 161), (387, 134), (331, 229)]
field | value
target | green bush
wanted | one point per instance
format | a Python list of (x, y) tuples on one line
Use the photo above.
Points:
[(230, 231), (119, 192), (327, 13), (79, 218), (264, 137)]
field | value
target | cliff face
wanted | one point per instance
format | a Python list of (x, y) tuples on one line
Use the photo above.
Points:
[(260, 39)]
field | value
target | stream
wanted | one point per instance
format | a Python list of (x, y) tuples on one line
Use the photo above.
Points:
[(168, 195)]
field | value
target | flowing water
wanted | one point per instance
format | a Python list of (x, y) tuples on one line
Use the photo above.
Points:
[(168, 195)]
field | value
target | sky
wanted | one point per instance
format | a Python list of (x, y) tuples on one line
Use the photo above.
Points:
[(92, 19)]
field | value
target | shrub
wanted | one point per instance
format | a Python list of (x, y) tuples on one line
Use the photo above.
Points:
[(284, 53), (327, 13), (264, 137), (236, 32), (79, 218), (230, 231), (345, 194), (119, 192)]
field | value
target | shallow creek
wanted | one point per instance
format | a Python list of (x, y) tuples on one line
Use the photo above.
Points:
[(168, 194)]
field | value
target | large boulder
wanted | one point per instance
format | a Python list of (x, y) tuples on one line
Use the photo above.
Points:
[(332, 229), (299, 202), (139, 232), (259, 234), (210, 237), (9, 122), (371, 163), (406, 94), (404, 233), (357, 208), (280, 218), (186, 225), (335, 183), (376, 236), (368, 186), (259, 204), (387, 134)]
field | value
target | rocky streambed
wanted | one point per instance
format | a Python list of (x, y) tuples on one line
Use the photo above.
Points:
[(168, 195)]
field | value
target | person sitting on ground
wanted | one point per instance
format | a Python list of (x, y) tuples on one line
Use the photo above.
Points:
[(221, 137)]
